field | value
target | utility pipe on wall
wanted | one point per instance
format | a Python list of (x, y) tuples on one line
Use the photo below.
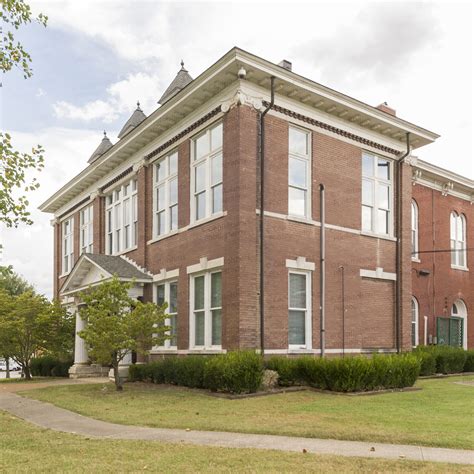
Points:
[(343, 297), (322, 271), (262, 208)]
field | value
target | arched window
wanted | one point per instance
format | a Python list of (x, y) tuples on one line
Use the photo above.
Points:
[(414, 230), (415, 311), (459, 311), (458, 240)]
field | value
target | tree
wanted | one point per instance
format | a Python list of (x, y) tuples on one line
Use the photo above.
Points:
[(13, 164), (60, 327), (117, 324)]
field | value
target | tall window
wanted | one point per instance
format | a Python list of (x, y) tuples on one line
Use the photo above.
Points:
[(86, 230), (299, 310), (458, 240), (206, 293), (122, 218), (168, 292), (206, 173), (376, 194), (299, 173), (166, 195), (415, 311), (68, 244), (414, 230)]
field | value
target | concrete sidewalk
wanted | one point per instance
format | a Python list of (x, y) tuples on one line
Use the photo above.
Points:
[(49, 416)]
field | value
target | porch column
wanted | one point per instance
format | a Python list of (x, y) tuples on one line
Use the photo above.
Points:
[(81, 356)]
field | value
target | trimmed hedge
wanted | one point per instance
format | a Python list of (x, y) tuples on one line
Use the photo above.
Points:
[(469, 364), (350, 374), (47, 366), (448, 360), (235, 372)]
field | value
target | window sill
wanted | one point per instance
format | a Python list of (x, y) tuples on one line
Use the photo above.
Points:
[(301, 220), (204, 351), (301, 350), (163, 237), (416, 260), (377, 236), (457, 267), (164, 350), (205, 220), (123, 252)]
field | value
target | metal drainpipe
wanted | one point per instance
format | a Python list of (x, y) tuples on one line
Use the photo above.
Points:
[(322, 271), (398, 250), (262, 202), (343, 296)]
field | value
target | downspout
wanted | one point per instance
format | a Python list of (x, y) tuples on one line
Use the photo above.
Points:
[(343, 296), (398, 250), (262, 207), (322, 271)]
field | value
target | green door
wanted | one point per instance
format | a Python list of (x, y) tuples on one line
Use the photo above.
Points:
[(449, 331)]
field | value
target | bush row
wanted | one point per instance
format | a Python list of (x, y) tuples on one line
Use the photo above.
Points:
[(235, 372), (444, 360), (350, 374), (47, 366)]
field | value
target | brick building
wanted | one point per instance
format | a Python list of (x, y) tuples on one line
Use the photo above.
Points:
[(176, 204)]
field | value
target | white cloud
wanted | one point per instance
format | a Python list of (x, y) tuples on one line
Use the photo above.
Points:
[(121, 97), (30, 248)]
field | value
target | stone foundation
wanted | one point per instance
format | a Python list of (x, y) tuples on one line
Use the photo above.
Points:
[(81, 371), (123, 373)]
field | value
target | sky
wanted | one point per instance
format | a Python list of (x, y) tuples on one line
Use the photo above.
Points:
[(96, 58)]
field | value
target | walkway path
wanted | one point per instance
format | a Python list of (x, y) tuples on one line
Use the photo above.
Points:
[(58, 419)]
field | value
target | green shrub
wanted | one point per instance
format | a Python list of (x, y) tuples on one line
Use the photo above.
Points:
[(48, 366), (469, 364), (450, 360), (189, 371), (287, 370), (350, 374), (427, 360), (235, 372)]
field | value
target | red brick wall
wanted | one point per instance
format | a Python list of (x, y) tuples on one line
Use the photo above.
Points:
[(437, 291)]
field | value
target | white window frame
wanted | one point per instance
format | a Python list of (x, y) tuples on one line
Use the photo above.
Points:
[(86, 229), (166, 184), (67, 245), (457, 242), (207, 160), (308, 311), (376, 182), (415, 320), (115, 210), (308, 163), (207, 311), (167, 284), (414, 230)]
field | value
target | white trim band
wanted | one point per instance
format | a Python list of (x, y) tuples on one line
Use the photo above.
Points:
[(300, 264), (205, 264), (378, 273)]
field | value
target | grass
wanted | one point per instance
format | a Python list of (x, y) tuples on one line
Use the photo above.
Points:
[(441, 414), (27, 448), (33, 380)]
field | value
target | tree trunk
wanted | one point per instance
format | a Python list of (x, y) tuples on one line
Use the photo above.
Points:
[(26, 371), (118, 381), (7, 363)]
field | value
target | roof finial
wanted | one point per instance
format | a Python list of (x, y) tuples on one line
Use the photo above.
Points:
[(105, 134), (182, 63), (138, 105)]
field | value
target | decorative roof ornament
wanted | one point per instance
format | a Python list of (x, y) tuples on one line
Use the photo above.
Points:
[(135, 119), (104, 146), (181, 80)]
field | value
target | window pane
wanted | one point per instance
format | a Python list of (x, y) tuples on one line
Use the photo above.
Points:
[(174, 217), (382, 221), (161, 170), (217, 198), (173, 303), (453, 254), (200, 177), (216, 327), (126, 189), (201, 146), (297, 202), (367, 192), (298, 141), (160, 197), (460, 228), (216, 290), (413, 334), (173, 163), (367, 165), (216, 169), (200, 206), (366, 218), (383, 196), (383, 169), (161, 224), (461, 256), (297, 173), (216, 137), (199, 292), (297, 297), (296, 327), (174, 330), (199, 328), (174, 191), (126, 212), (160, 294)]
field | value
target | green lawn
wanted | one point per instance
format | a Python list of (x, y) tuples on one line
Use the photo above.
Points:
[(27, 448), (441, 414), (33, 380)]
